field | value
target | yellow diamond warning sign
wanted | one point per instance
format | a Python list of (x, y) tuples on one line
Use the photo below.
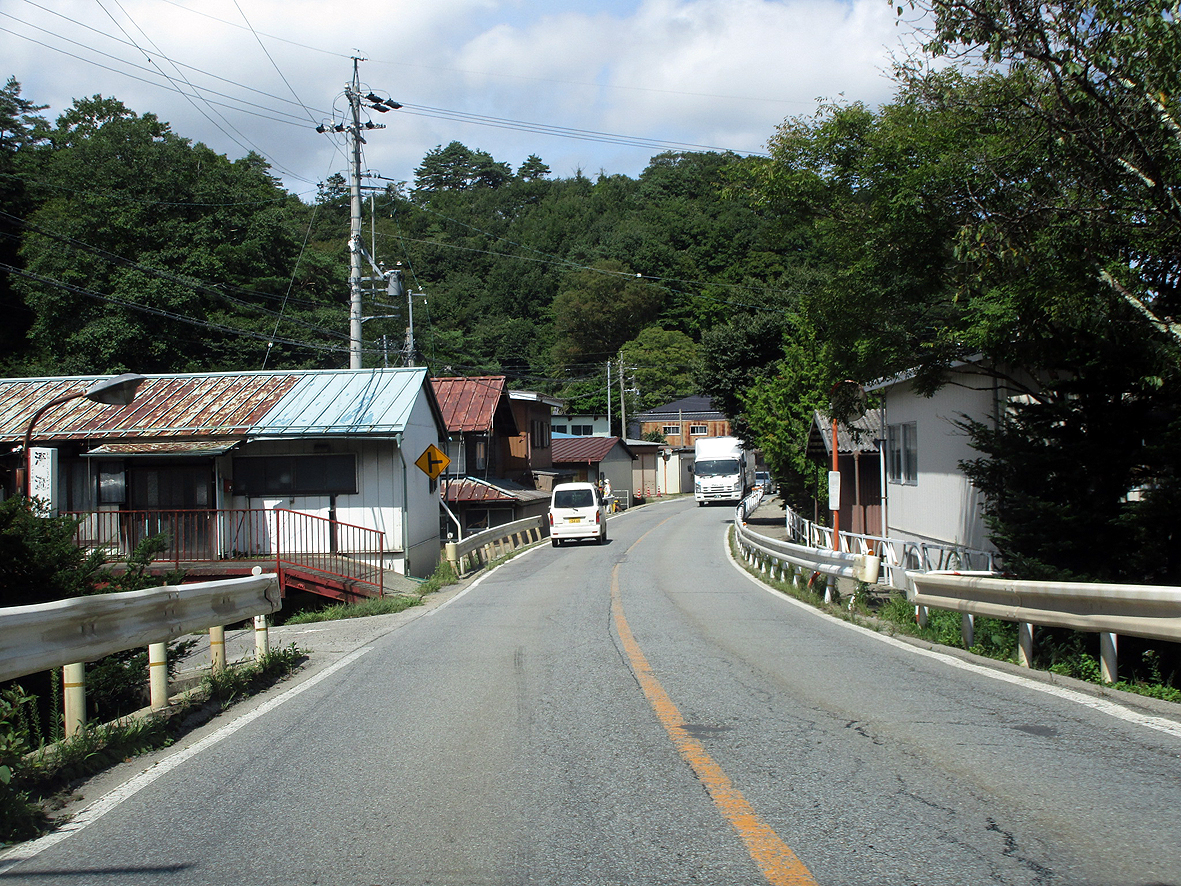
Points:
[(433, 461)]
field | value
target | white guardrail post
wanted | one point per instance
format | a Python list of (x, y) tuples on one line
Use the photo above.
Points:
[(74, 697), (65, 632)]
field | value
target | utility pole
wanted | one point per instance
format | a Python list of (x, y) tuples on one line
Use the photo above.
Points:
[(609, 400), (354, 95), (352, 130), (622, 402)]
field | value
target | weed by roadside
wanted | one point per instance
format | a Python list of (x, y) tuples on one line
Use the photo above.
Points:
[(363, 609), (443, 576), (33, 774)]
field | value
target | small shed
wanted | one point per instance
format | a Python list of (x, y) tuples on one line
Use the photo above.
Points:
[(860, 464), (595, 459)]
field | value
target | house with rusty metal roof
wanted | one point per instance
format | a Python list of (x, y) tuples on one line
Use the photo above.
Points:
[(596, 460), (499, 442), (241, 466), (860, 464)]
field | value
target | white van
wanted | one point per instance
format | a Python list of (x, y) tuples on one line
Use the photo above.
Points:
[(576, 510)]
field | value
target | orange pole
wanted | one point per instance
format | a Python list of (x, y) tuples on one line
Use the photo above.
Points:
[(836, 515)]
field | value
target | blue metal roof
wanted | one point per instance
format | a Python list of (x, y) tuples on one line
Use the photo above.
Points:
[(345, 402), (228, 406)]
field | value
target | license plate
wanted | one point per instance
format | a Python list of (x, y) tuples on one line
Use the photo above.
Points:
[(573, 519)]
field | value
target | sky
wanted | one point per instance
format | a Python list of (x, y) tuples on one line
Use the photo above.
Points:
[(590, 87)]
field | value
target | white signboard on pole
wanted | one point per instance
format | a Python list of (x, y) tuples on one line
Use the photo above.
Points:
[(834, 490), (43, 476)]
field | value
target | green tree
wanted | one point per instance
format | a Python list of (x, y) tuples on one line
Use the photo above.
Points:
[(153, 254), (600, 309), (1104, 80), (533, 168), (459, 168), (21, 130), (660, 362), (39, 560)]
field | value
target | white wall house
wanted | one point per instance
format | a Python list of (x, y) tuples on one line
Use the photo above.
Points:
[(582, 425), (928, 497), (203, 454)]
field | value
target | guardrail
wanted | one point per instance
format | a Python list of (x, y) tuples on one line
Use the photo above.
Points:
[(897, 556), (494, 542), (80, 629), (772, 557), (1106, 609)]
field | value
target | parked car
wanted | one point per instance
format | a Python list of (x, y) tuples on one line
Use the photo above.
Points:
[(577, 510), (763, 478)]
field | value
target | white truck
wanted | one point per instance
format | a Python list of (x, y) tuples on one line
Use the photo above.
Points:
[(723, 470)]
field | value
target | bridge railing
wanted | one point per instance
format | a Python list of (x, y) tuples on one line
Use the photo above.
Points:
[(81, 629), (477, 550), (341, 550), (897, 556)]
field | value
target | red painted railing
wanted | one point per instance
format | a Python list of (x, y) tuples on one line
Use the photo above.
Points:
[(293, 539)]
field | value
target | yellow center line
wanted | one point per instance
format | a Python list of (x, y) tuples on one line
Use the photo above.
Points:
[(780, 866)]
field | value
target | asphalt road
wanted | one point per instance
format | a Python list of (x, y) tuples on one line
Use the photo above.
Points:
[(637, 713)]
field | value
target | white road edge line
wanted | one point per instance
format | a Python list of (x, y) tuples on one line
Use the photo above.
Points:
[(1161, 724), (100, 807)]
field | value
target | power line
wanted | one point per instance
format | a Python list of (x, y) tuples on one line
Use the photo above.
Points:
[(160, 312)]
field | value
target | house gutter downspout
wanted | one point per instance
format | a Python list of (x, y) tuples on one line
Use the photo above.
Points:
[(454, 519), (405, 508)]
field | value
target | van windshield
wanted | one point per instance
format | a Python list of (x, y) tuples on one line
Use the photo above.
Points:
[(574, 498), (716, 467)]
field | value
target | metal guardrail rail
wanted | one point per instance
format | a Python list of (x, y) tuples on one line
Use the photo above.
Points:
[(477, 550), (80, 629), (1109, 610)]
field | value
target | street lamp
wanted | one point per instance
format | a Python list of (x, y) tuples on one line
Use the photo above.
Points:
[(117, 391)]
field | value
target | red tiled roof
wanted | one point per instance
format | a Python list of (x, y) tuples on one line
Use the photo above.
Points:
[(582, 450), (469, 404)]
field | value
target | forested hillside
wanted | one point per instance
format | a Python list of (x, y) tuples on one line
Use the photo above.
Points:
[(129, 248), (1017, 203)]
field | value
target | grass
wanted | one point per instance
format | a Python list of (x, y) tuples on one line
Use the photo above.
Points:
[(1059, 651), (363, 609), (39, 779), (443, 576)]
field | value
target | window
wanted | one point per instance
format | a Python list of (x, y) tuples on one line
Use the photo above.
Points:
[(112, 483), (539, 432), (582, 430), (903, 456), (671, 430), (559, 429), (698, 430), (279, 475)]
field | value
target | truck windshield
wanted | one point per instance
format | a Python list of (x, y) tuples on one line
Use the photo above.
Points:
[(717, 467)]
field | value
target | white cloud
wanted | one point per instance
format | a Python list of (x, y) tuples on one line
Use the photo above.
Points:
[(709, 72)]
